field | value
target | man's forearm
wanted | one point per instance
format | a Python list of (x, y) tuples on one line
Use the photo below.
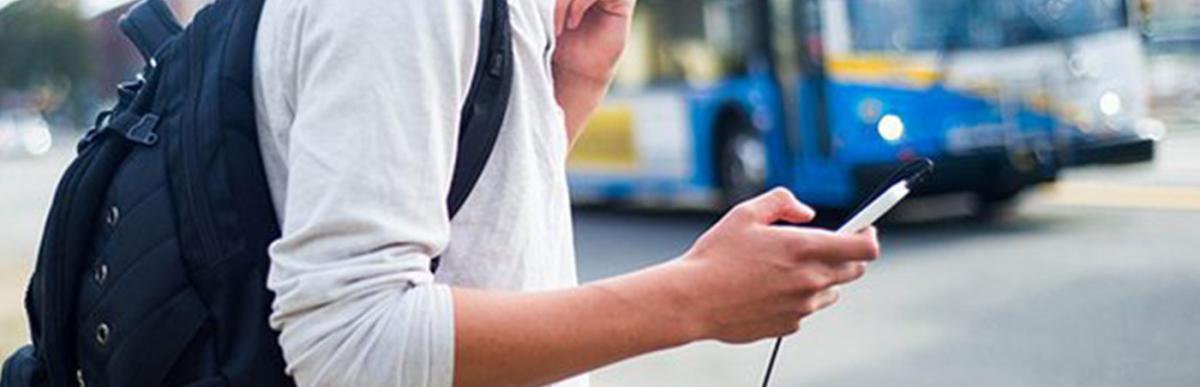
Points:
[(524, 339), (578, 95), (745, 279)]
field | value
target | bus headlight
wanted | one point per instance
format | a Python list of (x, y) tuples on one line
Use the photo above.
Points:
[(1110, 103), (890, 127)]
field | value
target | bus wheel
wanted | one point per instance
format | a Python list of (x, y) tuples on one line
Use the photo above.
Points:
[(742, 165)]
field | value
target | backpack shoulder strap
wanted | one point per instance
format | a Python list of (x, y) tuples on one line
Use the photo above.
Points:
[(483, 112), (149, 25), (487, 101)]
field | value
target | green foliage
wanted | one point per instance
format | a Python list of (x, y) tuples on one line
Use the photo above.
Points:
[(42, 41), (44, 47)]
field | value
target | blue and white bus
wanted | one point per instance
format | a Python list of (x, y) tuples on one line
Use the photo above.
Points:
[(717, 100)]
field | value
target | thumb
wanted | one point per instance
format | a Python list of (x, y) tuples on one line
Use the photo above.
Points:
[(776, 205), (576, 11), (560, 15)]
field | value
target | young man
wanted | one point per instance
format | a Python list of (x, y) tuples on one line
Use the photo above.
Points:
[(358, 101)]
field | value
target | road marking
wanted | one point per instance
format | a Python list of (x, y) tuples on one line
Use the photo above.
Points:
[(1117, 195)]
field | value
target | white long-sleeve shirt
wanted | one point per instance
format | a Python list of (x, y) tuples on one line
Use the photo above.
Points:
[(358, 110)]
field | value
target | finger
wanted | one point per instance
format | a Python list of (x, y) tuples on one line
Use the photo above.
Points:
[(811, 276), (578, 9), (821, 300), (784, 326), (775, 205), (810, 243), (815, 276), (848, 272), (795, 211), (870, 237), (862, 246), (869, 232), (560, 15)]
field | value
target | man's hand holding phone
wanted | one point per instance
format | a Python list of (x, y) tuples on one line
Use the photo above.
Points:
[(749, 279)]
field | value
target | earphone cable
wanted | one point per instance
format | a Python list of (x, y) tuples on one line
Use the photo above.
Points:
[(771, 363)]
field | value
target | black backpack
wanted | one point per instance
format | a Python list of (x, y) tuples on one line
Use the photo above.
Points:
[(152, 268)]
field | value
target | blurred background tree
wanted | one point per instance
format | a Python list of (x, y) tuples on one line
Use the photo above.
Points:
[(44, 58)]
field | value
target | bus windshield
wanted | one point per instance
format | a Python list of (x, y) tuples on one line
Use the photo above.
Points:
[(923, 25), (694, 43)]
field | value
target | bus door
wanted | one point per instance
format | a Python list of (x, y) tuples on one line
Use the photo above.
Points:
[(797, 53)]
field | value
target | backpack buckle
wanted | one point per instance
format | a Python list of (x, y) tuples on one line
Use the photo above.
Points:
[(143, 131)]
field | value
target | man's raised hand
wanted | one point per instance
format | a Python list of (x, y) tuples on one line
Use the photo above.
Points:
[(752, 279)]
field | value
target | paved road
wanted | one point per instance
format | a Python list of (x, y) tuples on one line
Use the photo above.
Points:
[(1093, 282), (26, 185)]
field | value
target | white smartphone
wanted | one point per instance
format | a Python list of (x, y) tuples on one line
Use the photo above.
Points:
[(878, 207), (904, 180)]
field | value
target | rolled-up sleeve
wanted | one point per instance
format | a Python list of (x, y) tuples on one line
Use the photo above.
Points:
[(375, 88)]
